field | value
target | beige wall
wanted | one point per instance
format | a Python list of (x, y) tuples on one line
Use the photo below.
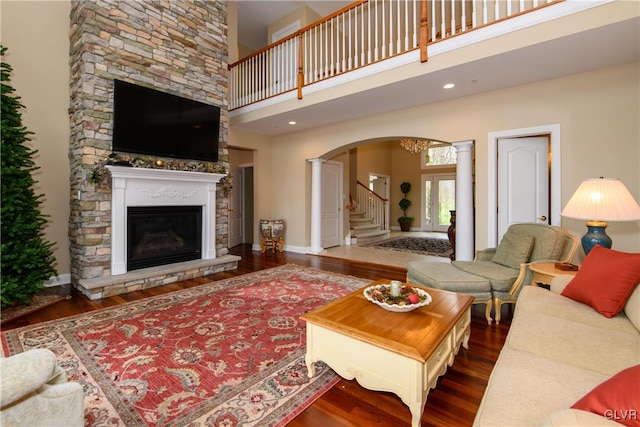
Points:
[(597, 112), (406, 167), (234, 49), (374, 158), (36, 35)]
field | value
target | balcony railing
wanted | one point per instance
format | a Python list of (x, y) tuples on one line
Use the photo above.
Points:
[(364, 33)]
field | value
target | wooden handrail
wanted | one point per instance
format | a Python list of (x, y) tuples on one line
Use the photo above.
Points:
[(372, 192)]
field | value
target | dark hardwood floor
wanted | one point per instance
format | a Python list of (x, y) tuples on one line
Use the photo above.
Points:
[(453, 402)]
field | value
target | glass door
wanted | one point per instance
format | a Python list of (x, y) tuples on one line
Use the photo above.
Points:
[(438, 198)]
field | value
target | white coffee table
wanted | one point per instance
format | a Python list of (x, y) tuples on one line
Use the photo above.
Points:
[(402, 353)]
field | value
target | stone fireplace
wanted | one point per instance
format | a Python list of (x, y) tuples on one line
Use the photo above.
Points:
[(176, 47), (146, 217)]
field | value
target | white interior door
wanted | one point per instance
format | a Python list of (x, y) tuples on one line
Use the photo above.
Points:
[(523, 181), (235, 207), (331, 204)]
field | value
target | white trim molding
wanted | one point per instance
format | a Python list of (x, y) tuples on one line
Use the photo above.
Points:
[(159, 187)]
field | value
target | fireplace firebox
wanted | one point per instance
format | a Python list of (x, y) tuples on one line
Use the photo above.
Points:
[(159, 235)]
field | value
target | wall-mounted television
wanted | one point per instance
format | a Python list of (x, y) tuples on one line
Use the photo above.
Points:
[(152, 122)]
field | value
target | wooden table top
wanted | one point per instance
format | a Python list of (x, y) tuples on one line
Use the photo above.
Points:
[(415, 334)]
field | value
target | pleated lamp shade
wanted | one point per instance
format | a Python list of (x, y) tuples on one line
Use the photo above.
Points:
[(600, 200), (603, 199)]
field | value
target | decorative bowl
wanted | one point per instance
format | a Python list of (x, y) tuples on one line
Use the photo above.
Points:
[(381, 295)]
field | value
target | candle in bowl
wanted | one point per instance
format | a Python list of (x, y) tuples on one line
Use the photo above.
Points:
[(395, 288)]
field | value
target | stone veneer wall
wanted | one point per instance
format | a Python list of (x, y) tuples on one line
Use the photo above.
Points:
[(179, 47)]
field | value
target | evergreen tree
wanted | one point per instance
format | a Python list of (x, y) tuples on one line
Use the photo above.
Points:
[(26, 257)]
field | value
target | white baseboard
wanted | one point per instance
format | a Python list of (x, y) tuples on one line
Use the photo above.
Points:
[(296, 249), (287, 248)]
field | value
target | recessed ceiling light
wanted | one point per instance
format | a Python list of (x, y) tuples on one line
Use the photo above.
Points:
[(449, 86), (292, 122)]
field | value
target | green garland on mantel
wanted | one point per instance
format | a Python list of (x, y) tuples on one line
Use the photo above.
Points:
[(100, 177)]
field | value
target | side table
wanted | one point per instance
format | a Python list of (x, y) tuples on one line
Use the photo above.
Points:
[(543, 272), (275, 244), (272, 231)]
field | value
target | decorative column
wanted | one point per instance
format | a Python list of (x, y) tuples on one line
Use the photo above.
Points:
[(464, 201), (316, 206)]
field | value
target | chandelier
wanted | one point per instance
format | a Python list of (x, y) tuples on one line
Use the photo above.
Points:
[(415, 146)]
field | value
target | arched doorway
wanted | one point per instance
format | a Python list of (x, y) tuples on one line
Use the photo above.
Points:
[(351, 159)]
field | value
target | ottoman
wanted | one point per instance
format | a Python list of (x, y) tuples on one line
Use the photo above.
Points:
[(440, 275)]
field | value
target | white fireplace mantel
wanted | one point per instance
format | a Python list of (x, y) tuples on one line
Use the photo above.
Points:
[(159, 187)]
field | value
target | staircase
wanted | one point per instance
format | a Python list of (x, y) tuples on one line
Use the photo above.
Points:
[(369, 221), (365, 229)]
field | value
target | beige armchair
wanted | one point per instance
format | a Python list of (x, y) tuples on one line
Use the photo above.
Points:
[(496, 275), (34, 392)]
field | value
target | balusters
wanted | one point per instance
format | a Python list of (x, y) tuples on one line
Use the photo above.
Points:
[(377, 35), (362, 39), (369, 52), (368, 32)]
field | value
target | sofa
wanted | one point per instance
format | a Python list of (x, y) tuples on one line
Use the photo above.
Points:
[(572, 354), (35, 392)]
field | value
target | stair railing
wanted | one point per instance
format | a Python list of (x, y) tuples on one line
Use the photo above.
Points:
[(373, 205)]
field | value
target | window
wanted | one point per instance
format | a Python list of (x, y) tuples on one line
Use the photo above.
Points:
[(440, 155)]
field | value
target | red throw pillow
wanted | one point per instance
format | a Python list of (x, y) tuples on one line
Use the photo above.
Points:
[(616, 399), (605, 280)]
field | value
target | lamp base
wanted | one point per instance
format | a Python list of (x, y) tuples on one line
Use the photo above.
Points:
[(596, 235)]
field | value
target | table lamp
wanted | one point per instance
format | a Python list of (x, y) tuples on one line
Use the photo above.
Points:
[(599, 200)]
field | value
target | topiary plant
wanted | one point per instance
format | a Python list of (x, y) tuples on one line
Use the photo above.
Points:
[(405, 221), (26, 257)]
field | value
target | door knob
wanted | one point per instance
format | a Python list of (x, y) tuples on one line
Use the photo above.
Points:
[(543, 218)]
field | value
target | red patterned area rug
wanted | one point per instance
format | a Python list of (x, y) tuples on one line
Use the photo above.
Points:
[(229, 353)]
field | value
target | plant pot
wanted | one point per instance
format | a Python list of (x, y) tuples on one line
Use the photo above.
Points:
[(405, 225)]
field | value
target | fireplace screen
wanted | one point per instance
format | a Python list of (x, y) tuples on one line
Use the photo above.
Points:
[(161, 235)]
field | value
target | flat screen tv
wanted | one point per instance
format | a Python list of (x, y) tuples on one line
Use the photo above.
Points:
[(148, 121)]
